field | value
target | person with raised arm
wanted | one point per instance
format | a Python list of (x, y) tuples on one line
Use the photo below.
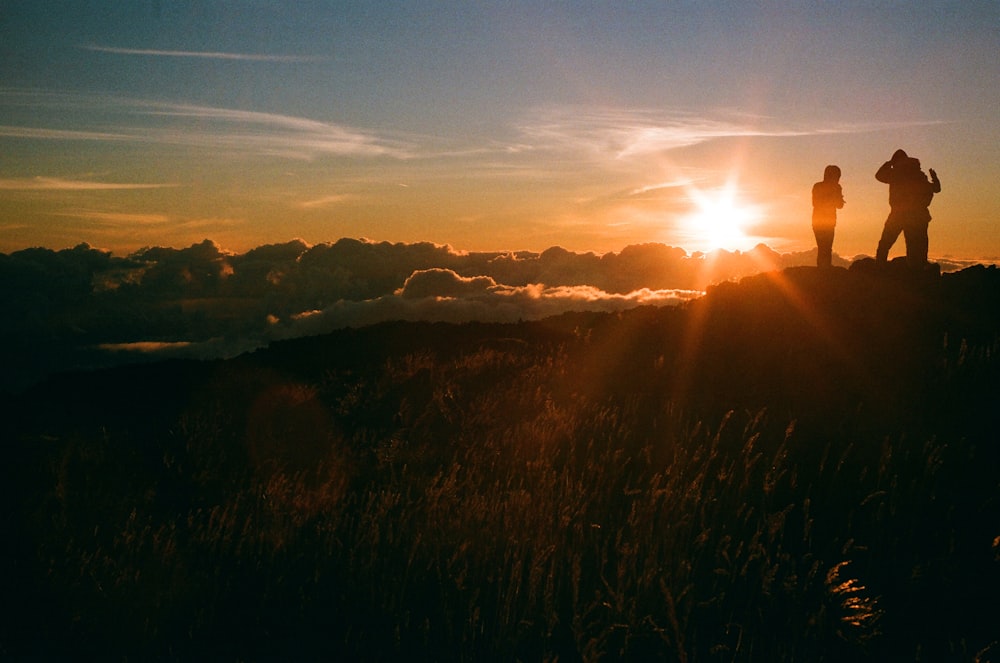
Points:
[(910, 195)]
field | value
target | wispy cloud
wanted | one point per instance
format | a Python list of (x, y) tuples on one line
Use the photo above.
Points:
[(281, 134), (59, 184), (232, 115), (233, 130), (210, 55), (324, 201), (660, 186), (271, 133), (210, 223), (623, 133), (626, 133), (42, 133), (115, 218)]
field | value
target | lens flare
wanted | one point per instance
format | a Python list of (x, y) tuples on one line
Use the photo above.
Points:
[(719, 220)]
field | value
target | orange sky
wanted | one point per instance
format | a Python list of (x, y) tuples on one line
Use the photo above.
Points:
[(587, 126)]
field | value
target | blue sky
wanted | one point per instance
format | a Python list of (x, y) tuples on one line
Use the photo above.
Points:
[(490, 126)]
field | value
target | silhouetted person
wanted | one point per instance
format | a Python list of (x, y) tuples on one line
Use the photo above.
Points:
[(828, 197), (910, 194)]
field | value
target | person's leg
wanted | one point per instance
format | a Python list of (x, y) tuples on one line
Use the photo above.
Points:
[(915, 235), (824, 246), (890, 233)]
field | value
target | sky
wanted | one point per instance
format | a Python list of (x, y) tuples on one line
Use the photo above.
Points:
[(491, 126)]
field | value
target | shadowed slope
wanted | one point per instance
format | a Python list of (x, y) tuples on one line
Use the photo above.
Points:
[(798, 466)]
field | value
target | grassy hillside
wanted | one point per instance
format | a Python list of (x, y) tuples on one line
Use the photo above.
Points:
[(798, 467)]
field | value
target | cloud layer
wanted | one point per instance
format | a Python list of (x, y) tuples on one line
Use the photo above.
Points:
[(86, 307)]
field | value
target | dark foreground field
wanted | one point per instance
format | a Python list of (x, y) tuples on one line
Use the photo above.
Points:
[(799, 467)]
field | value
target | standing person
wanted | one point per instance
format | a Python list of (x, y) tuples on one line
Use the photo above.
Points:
[(910, 195), (828, 197)]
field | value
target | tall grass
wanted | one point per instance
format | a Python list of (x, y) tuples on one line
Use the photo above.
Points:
[(482, 507)]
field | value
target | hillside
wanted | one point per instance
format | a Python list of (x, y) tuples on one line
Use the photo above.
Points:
[(797, 466)]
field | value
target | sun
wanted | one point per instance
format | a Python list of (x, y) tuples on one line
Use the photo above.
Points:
[(719, 220)]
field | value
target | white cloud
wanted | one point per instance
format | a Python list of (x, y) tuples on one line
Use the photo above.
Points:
[(442, 295)]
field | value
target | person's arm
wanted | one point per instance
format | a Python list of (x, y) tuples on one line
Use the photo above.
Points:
[(884, 174), (935, 182)]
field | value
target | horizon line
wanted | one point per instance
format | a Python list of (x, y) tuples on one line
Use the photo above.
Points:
[(694, 254)]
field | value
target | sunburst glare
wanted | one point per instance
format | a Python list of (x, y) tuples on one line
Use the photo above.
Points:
[(719, 219)]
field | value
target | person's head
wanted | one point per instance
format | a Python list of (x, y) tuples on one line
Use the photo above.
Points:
[(898, 156), (831, 174), (907, 165)]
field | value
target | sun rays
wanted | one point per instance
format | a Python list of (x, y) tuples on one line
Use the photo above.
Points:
[(720, 219)]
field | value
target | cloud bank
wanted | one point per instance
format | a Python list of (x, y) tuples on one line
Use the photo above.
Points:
[(84, 307), (442, 295)]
